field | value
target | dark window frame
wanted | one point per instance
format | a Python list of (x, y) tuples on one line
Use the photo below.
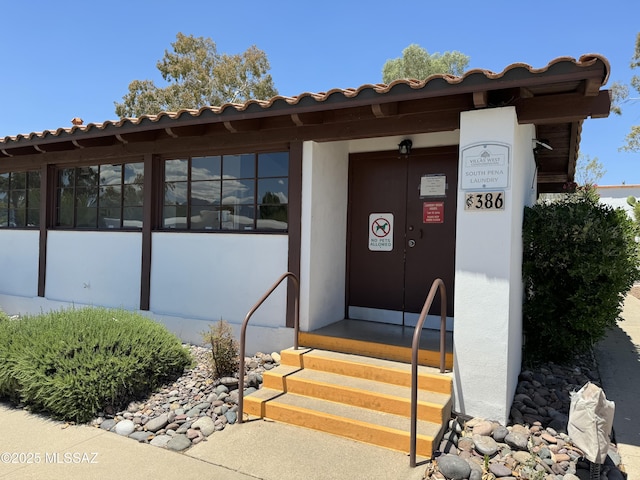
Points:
[(96, 189), (31, 184), (191, 208)]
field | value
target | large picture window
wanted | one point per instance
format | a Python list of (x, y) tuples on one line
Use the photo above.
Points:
[(100, 197), (20, 199), (227, 192)]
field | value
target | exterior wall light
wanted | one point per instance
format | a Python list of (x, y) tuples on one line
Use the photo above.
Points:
[(404, 147)]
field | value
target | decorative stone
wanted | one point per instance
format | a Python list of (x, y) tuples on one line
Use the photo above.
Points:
[(453, 468), (517, 440), (485, 445), (108, 424), (205, 425), (483, 428), (155, 424), (522, 457), (178, 443), (125, 427), (499, 470), (499, 433), (141, 436), (229, 382), (160, 440), (231, 416)]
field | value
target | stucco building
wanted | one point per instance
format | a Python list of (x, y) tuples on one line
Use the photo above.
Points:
[(190, 216)]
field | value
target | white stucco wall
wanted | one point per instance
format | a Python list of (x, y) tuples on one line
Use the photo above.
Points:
[(488, 288), (94, 268), (19, 262), (616, 196), (198, 279), (325, 170)]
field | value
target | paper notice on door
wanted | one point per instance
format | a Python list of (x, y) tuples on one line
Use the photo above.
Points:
[(433, 185)]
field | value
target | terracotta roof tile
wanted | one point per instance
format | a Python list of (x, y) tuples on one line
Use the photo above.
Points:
[(318, 97)]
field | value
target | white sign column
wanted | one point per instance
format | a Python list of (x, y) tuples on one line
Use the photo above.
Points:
[(496, 164)]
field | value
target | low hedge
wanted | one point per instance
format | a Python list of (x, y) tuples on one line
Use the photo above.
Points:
[(75, 363)]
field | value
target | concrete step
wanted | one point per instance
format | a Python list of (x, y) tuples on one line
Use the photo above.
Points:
[(373, 349), (380, 370), (357, 397), (360, 392), (360, 424)]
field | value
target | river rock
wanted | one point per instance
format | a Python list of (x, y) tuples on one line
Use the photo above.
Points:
[(485, 445), (155, 424), (517, 440), (125, 427), (205, 424), (178, 442), (453, 468)]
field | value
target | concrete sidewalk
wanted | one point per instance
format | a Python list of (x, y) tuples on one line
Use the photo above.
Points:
[(618, 357), (34, 447)]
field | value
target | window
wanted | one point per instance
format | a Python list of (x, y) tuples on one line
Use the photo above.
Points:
[(20, 199), (100, 197), (227, 192)]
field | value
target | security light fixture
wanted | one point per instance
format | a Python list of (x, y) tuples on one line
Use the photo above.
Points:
[(404, 147), (540, 143)]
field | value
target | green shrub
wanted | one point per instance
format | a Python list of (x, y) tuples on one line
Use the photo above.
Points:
[(224, 349), (74, 363), (580, 259)]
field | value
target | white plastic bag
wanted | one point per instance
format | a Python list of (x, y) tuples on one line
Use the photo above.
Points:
[(591, 421)]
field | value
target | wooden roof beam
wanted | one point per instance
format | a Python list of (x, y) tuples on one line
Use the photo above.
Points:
[(381, 110), (481, 99), (236, 126), (590, 87), (302, 119), (562, 108), (552, 177)]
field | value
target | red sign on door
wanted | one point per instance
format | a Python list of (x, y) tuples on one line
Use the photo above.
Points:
[(433, 212)]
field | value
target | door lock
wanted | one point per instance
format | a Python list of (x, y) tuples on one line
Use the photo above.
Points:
[(412, 243)]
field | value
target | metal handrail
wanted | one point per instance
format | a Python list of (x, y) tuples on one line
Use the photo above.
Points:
[(243, 331), (437, 284)]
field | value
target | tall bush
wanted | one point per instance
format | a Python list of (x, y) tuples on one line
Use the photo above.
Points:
[(74, 363), (580, 258)]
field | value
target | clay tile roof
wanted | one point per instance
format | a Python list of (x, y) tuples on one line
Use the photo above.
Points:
[(473, 80)]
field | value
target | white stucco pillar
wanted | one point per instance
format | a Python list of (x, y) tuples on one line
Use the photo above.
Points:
[(488, 281), (325, 168)]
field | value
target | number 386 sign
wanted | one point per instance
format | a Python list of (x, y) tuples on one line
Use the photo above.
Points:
[(484, 200)]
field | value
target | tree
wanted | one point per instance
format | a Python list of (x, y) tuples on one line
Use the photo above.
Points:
[(416, 62), (589, 170), (197, 76), (620, 95)]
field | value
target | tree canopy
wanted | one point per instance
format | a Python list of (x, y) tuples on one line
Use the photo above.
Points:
[(620, 94), (417, 63), (197, 76), (589, 170)]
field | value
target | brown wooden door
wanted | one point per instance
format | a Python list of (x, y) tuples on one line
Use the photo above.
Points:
[(384, 284)]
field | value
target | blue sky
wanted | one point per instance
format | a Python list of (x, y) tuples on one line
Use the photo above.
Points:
[(66, 59)]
